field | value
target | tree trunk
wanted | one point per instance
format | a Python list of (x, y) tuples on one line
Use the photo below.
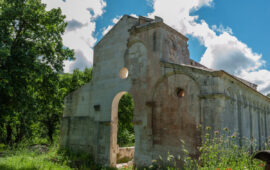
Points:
[(20, 132), (9, 133), (50, 128)]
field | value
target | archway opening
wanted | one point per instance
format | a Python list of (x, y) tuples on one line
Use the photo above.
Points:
[(122, 134), (125, 133)]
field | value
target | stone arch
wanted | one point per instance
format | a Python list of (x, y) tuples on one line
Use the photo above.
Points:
[(266, 124), (131, 42), (239, 103), (114, 128), (136, 59), (176, 117), (160, 80), (229, 92), (229, 120), (246, 118)]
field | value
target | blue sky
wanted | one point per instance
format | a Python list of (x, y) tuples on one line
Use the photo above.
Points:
[(116, 8), (247, 21), (223, 34)]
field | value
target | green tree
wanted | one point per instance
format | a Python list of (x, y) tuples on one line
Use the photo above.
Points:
[(268, 95), (31, 56), (125, 131), (71, 82)]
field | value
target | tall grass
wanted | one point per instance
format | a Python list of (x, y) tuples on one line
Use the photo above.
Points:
[(220, 150), (25, 158)]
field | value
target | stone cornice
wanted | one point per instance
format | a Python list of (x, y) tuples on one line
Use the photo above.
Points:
[(218, 73), (148, 26)]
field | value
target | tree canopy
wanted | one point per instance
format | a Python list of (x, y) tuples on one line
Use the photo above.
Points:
[(33, 85), (31, 57)]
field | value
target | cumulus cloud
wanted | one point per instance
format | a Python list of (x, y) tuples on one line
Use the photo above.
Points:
[(80, 16), (228, 53), (114, 20), (223, 49), (108, 28), (81, 61), (73, 25), (221, 29), (261, 77)]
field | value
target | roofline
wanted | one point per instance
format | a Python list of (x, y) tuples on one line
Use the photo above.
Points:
[(158, 24), (144, 27), (233, 77), (219, 73), (128, 16)]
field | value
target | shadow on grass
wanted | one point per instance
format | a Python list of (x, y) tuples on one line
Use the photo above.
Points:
[(5, 167), (79, 160)]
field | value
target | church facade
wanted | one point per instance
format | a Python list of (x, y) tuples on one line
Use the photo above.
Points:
[(172, 95)]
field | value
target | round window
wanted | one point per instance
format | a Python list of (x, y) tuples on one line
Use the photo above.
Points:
[(180, 92), (123, 74)]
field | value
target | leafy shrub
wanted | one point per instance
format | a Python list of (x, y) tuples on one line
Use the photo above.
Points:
[(125, 136), (219, 151)]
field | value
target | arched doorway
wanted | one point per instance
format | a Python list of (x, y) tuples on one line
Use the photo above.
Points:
[(122, 130)]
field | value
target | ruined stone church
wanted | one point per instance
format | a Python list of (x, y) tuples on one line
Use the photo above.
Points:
[(172, 95)]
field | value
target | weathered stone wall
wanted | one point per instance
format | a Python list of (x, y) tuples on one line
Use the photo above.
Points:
[(226, 102), (88, 110), (158, 64), (125, 153), (77, 124), (247, 109)]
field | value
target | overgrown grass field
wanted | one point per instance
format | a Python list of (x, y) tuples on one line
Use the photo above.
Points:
[(26, 158), (219, 151)]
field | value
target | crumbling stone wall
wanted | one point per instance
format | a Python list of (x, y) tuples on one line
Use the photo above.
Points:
[(172, 95)]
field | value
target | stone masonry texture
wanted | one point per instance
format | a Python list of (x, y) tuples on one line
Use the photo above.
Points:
[(172, 95)]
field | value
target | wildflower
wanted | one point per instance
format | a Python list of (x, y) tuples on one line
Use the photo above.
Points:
[(226, 129), (228, 169), (262, 165), (170, 157), (178, 157), (216, 132), (185, 151), (125, 166), (217, 169), (234, 135), (208, 128), (160, 157), (182, 141)]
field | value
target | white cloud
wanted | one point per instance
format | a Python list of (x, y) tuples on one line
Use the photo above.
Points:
[(80, 16), (114, 20), (228, 53), (261, 77), (222, 29), (108, 28), (134, 15), (223, 49)]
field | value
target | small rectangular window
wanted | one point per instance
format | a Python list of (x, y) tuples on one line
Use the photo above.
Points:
[(97, 107)]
